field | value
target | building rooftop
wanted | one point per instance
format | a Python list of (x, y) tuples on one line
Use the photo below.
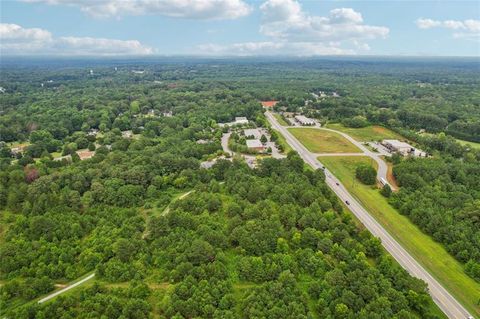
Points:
[(252, 132), (254, 144), (304, 119), (269, 103), (398, 144)]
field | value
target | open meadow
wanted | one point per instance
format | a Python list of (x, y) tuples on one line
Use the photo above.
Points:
[(365, 134), (321, 141)]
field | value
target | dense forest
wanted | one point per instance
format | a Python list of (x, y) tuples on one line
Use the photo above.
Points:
[(442, 196), (167, 238)]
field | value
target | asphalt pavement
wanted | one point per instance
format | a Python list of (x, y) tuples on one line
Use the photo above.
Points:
[(446, 302), (382, 166)]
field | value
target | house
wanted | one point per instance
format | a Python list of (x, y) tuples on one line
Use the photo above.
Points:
[(303, 120), (167, 114), (18, 150), (255, 145), (241, 120), (269, 104), (85, 154), (92, 132), (255, 132), (398, 146), (208, 164), (127, 134), (61, 158)]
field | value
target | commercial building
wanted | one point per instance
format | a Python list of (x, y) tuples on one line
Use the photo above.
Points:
[(238, 121), (255, 145), (398, 146), (303, 120), (255, 132), (241, 120)]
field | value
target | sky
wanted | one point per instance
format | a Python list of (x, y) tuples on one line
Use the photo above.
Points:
[(239, 27)]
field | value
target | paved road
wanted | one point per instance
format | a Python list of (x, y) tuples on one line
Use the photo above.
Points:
[(382, 166), (225, 138), (53, 295), (447, 303)]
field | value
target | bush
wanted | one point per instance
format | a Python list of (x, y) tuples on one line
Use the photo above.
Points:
[(366, 174), (386, 191), (355, 122)]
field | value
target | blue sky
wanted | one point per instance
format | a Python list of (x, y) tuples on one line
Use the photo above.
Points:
[(238, 27)]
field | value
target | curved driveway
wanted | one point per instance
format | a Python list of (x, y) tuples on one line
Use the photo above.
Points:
[(382, 166), (445, 301)]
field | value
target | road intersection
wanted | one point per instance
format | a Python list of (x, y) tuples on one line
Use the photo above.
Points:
[(446, 302), (382, 170)]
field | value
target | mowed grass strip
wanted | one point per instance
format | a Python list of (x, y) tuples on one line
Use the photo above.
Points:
[(366, 134), (280, 119), (321, 141), (424, 249)]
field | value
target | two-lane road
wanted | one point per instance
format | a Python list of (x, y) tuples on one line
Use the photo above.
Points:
[(447, 303)]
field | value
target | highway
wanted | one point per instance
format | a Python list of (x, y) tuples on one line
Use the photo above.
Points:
[(382, 166), (446, 302)]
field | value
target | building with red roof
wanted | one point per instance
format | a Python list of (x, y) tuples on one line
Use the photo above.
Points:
[(269, 103)]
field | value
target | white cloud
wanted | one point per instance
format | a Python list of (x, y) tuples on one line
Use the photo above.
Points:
[(466, 29), (17, 40), (427, 23), (101, 46), (274, 49), (285, 19), (190, 9), (293, 31), (468, 25)]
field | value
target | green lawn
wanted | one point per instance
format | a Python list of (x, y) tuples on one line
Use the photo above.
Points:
[(280, 119), (429, 253), (471, 144), (322, 141), (365, 134)]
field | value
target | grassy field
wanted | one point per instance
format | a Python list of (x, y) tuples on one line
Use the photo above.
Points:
[(280, 119), (365, 134), (471, 144), (321, 141), (429, 253)]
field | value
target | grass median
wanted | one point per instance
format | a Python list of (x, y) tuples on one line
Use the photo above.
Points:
[(423, 248), (280, 119), (322, 141)]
